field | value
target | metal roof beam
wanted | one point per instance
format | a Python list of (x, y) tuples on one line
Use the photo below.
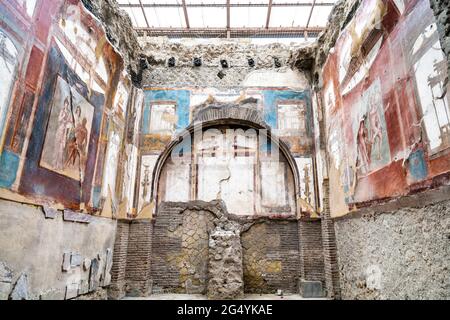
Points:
[(186, 16), (143, 12), (269, 13), (223, 5), (228, 14), (291, 32), (311, 13)]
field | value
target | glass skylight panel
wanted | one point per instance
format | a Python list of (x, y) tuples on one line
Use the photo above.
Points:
[(320, 16), (289, 16), (171, 14), (248, 17), (207, 17), (137, 17), (293, 1), (165, 17), (128, 2), (206, 1)]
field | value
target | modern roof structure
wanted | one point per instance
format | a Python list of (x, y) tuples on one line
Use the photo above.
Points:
[(229, 18)]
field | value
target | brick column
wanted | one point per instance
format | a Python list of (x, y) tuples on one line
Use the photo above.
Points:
[(332, 277), (311, 250), (117, 290), (139, 258)]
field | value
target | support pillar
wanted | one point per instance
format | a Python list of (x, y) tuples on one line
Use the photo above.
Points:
[(332, 277)]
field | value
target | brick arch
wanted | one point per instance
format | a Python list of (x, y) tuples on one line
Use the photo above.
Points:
[(230, 112), (211, 117)]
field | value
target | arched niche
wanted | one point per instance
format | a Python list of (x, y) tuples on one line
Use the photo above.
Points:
[(228, 159)]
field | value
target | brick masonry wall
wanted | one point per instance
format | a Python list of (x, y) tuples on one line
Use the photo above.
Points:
[(330, 251), (311, 250), (117, 290), (138, 258), (271, 257), (180, 255), (170, 254), (180, 251)]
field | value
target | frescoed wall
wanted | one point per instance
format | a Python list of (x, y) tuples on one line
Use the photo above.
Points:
[(387, 118), (287, 112), (64, 134), (63, 107)]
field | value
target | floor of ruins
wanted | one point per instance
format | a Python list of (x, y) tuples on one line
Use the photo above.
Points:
[(250, 297)]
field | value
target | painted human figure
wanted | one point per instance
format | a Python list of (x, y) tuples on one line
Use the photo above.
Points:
[(364, 148), (77, 144), (77, 115), (65, 122), (376, 129)]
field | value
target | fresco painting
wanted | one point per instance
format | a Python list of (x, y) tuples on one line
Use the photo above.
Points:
[(370, 131), (56, 66), (67, 125), (399, 125), (274, 194), (145, 181), (171, 110), (8, 66), (27, 6), (232, 178), (68, 133), (430, 87), (111, 165), (163, 119), (306, 172), (121, 100)]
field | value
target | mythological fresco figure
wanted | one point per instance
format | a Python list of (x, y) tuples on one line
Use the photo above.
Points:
[(77, 144), (62, 134), (376, 132), (364, 146)]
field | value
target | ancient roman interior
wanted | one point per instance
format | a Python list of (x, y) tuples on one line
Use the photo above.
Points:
[(138, 160)]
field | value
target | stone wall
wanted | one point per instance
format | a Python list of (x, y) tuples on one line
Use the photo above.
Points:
[(181, 249), (53, 255), (271, 59), (225, 269), (399, 254)]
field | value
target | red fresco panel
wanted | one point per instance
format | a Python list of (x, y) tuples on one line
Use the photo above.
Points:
[(47, 10), (34, 67), (389, 78)]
